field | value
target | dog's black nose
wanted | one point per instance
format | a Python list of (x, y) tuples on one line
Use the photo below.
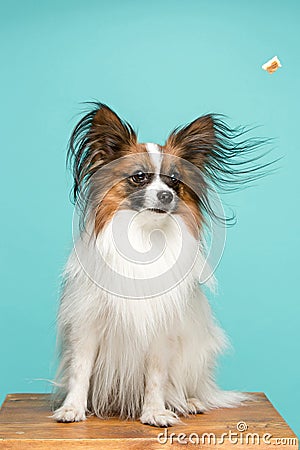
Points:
[(165, 197)]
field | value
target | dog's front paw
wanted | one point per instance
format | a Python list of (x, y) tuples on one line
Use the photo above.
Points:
[(195, 406), (159, 417), (69, 413)]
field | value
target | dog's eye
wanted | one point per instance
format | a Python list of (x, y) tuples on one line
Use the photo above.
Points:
[(139, 178), (174, 179)]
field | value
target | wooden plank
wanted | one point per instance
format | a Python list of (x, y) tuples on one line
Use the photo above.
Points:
[(25, 424)]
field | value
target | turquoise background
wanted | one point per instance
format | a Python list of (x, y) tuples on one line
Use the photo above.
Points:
[(159, 64)]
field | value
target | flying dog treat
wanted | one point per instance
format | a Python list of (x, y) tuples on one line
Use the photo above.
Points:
[(272, 65)]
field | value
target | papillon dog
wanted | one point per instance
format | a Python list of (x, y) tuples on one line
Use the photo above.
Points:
[(138, 337)]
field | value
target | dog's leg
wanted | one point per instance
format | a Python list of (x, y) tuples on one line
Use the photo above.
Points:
[(82, 360), (154, 410)]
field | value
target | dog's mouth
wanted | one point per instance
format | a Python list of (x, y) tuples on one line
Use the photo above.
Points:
[(157, 210)]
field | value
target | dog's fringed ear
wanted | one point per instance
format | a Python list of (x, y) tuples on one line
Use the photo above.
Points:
[(226, 157), (194, 141), (98, 138)]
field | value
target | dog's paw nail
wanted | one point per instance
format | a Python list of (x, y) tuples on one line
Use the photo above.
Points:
[(159, 418), (195, 406), (69, 413)]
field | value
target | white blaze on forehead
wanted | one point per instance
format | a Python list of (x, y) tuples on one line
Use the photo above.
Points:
[(157, 184), (155, 155)]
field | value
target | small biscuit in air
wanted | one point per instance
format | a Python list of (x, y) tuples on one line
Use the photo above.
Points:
[(272, 65)]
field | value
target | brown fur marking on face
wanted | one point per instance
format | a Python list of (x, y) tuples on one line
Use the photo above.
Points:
[(189, 210), (188, 189), (113, 179), (109, 206)]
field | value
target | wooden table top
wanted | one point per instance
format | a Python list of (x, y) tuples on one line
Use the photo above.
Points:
[(25, 424)]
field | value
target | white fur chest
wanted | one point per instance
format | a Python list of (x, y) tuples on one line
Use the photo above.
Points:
[(140, 256)]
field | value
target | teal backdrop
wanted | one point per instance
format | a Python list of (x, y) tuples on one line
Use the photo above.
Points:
[(158, 64)]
